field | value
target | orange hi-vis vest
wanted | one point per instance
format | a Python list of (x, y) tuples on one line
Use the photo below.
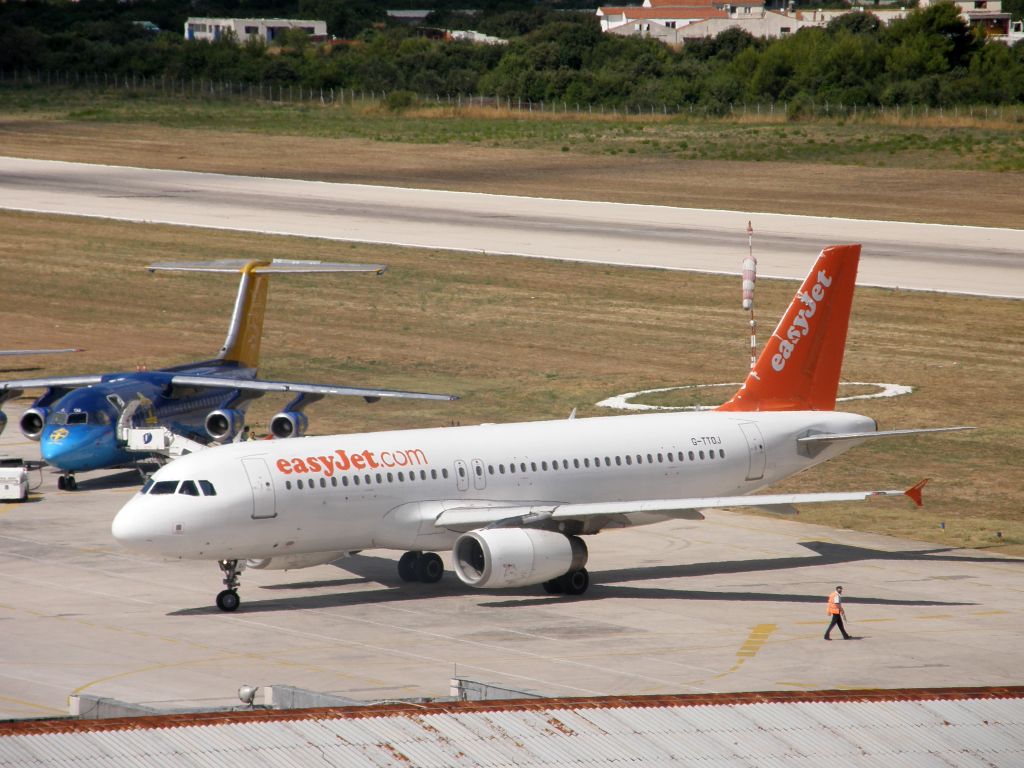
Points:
[(833, 604)]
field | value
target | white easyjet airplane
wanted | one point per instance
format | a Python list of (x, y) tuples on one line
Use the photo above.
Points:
[(513, 501)]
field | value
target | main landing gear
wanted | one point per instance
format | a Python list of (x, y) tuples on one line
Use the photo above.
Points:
[(228, 600), (572, 583), (421, 566), (67, 482)]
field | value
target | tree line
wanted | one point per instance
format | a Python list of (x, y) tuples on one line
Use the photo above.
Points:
[(930, 58)]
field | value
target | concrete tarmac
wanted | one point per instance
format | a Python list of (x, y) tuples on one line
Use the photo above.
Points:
[(956, 259), (734, 603)]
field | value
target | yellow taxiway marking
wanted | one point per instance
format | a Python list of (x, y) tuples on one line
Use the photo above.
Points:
[(33, 705), (989, 613), (755, 641)]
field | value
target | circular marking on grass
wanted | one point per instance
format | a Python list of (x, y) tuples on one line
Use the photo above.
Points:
[(623, 402)]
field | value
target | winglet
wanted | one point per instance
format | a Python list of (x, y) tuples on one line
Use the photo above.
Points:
[(915, 492)]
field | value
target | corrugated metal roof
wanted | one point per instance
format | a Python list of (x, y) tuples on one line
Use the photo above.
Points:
[(960, 727)]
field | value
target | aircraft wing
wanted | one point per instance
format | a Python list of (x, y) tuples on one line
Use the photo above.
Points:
[(259, 385), (9, 389), (277, 266), (685, 509), (8, 352)]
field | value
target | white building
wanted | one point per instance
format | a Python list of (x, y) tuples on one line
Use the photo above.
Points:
[(675, 21), (267, 30)]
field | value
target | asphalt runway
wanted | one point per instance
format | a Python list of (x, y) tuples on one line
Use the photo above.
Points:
[(734, 603), (957, 259)]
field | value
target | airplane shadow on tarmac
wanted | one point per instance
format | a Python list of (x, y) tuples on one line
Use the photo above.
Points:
[(605, 584)]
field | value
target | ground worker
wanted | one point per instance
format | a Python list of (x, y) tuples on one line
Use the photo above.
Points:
[(837, 613)]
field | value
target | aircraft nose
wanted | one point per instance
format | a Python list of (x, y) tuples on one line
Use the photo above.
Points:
[(65, 448), (77, 448), (131, 527)]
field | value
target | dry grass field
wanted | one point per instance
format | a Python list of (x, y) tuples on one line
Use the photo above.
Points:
[(521, 339), (906, 173), (526, 339)]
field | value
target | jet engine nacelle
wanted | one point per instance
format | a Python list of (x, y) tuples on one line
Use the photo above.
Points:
[(223, 424), (289, 424), (515, 557), (3, 421), (290, 562), (32, 422)]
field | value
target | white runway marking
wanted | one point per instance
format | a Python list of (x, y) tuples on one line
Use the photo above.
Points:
[(622, 402)]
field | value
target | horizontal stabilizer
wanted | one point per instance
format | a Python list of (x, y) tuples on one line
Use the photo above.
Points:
[(836, 437), (814, 444), (258, 385), (684, 509), (276, 267)]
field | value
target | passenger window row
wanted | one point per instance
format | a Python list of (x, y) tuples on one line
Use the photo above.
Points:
[(368, 479), (522, 467), (607, 461)]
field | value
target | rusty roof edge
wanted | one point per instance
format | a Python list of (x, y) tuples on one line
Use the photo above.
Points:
[(395, 709)]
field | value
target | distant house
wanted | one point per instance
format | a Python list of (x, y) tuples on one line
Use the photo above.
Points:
[(988, 15), (676, 21), (768, 25), (267, 30), (665, 19)]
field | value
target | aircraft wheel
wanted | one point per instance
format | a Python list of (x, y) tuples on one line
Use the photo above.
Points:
[(429, 568), (575, 582), (553, 587), (228, 600), (62, 483), (407, 566), (71, 484)]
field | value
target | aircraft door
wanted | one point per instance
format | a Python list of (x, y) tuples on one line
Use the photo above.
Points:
[(461, 475), (479, 478), (264, 502), (755, 445)]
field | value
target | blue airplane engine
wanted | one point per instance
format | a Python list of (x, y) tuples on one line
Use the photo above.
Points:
[(3, 421), (289, 424), (224, 423), (33, 421)]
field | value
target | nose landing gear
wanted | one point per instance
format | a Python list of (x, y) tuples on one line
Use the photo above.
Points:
[(228, 599), (67, 482)]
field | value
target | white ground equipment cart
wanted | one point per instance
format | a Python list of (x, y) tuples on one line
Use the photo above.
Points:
[(159, 442), (13, 480)]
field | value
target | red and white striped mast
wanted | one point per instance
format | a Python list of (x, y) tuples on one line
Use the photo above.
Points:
[(749, 279)]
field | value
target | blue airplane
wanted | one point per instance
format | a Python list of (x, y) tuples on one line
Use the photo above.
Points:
[(77, 420)]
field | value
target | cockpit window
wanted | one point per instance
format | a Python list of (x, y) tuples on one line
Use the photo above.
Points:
[(188, 488), (146, 487), (58, 418), (163, 487), (78, 418), (208, 489)]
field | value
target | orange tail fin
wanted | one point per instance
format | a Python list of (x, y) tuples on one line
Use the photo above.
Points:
[(798, 370)]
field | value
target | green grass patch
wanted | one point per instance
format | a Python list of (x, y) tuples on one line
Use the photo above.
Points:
[(962, 141)]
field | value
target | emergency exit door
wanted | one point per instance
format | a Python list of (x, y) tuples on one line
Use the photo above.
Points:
[(264, 503), (755, 446)]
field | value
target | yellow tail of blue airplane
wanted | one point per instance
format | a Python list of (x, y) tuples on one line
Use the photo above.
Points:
[(242, 345)]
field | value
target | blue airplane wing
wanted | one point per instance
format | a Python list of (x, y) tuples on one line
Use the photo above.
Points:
[(259, 385), (13, 387), (9, 352)]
